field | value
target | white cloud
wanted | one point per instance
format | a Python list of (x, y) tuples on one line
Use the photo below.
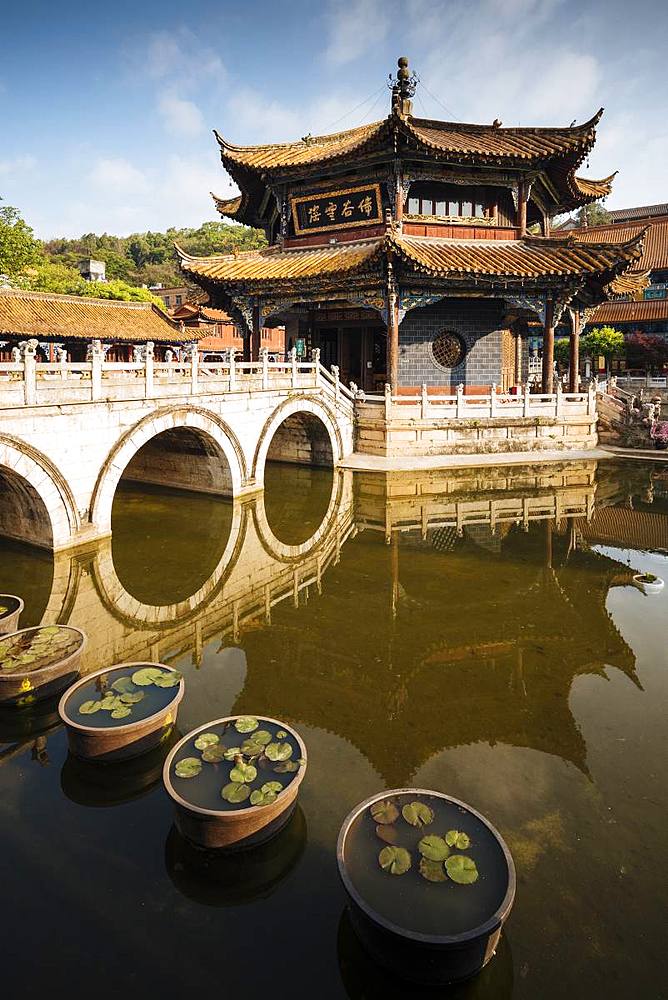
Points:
[(180, 116), (354, 27), (179, 57), (117, 176), (17, 166)]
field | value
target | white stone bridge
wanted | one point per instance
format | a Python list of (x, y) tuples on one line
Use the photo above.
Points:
[(70, 431)]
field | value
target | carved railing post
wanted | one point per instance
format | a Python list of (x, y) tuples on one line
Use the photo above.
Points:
[(28, 349), (337, 382), (148, 369), (233, 369), (388, 401), (264, 358), (62, 361), (424, 402), (492, 400), (96, 359), (591, 397), (460, 400), (293, 362), (527, 400), (193, 360), (560, 399), (315, 354)]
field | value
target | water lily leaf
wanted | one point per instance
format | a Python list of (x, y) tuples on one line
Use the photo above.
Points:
[(3, 609), (231, 752), (261, 736), (433, 871), (214, 754), (279, 751), (246, 724), (243, 772), (433, 848), (461, 869), (251, 749), (235, 792), (49, 630), (301, 761), (146, 676), (260, 798), (272, 786), (286, 767), (121, 711), (395, 860), (189, 767), (455, 838), (417, 814), (387, 832), (89, 707), (132, 697), (384, 812), (205, 740), (124, 685), (281, 734), (168, 679)]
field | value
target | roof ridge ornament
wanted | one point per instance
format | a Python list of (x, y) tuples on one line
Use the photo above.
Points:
[(403, 87)]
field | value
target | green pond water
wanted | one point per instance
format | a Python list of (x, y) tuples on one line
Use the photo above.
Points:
[(477, 633)]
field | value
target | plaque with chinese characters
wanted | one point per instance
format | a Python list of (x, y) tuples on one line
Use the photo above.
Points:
[(317, 213)]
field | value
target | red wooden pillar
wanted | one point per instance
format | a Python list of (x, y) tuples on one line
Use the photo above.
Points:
[(548, 347), (392, 334), (255, 335), (522, 208), (574, 345)]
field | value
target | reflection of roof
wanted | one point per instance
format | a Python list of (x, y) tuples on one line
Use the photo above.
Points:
[(532, 257), (72, 317), (644, 311), (655, 248), (623, 526)]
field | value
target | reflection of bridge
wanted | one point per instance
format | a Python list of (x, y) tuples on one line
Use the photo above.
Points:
[(69, 431)]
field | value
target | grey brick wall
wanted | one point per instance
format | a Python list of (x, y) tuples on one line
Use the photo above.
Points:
[(477, 322)]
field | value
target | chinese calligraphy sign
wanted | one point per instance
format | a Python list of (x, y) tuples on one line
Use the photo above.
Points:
[(317, 213)]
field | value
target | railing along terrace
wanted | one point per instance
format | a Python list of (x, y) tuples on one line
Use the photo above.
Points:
[(424, 405)]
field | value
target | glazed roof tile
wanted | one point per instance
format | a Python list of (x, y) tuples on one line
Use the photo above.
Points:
[(641, 212), (645, 311), (655, 256), (72, 317)]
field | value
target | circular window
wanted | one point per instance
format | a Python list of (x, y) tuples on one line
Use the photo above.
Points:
[(448, 349)]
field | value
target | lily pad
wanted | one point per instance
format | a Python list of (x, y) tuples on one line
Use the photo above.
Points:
[(433, 871), (231, 752), (246, 724), (279, 751), (455, 838), (433, 848), (235, 792), (89, 707), (189, 767), (461, 869), (243, 773), (132, 697), (124, 685), (261, 736), (417, 814), (205, 740), (121, 711), (272, 786), (168, 679), (146, 676), (49, 630), (213, 754), (384, 812), (286, 767), (281, 734), (251, 749), (395, 860), (260, 798), (387, 832)]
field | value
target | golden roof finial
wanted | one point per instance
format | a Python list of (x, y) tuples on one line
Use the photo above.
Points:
[(403, 88)]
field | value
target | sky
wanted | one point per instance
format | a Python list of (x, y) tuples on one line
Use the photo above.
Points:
[(107, 110)]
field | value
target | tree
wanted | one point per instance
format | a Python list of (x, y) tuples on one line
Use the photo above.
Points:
[(593, 215), (18, 246), (644, 350), (603, 341), (50, 276), (562, 353)]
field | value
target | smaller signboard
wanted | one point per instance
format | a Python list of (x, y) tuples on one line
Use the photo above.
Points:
[(344, 209)]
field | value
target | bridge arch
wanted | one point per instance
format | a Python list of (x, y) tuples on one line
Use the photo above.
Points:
[(284, 552), (36, 492), (294, 406), (203, 421)]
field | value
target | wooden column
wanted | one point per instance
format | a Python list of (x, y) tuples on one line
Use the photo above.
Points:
[(574, 381), (522, 208), (255, 336), (392, 333), (548, 347)]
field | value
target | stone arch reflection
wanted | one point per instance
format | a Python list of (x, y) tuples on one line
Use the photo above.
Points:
[(297, 508)]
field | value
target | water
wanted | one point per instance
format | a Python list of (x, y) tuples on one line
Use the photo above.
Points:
[(518, 670), (153, 699)]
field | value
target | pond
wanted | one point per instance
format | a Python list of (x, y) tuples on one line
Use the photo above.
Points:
[(477, 632)]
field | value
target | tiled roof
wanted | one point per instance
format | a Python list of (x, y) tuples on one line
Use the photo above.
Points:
[(273, 264), (528, 258), (655, 254), (593, 190), (630, 285), (228, 207), (312, 149), (641, 212), (71, 317), (214, 315), (638, 529), (645, 311)]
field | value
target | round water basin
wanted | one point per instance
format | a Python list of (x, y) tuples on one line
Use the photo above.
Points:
[(10, 612), (234, 781), (649, 583), (37, 663), (430, 883), (126, 710)]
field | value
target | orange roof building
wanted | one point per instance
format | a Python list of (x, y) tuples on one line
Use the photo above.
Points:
[(400, 249), (218, 333)]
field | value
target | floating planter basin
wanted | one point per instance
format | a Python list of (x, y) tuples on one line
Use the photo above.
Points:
[(430, 883), (235, 781), (649, 583), (10, 612), (88, 784), (39, 662), (119, 713)]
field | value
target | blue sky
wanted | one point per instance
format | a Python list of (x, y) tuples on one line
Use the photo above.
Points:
[(107, 114)]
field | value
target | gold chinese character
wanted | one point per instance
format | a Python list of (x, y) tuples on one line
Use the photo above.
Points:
[(314, 213), (366, 206), (331, 211), (347, 208)]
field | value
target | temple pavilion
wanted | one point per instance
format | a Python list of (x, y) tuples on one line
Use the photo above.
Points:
[(415, 252)]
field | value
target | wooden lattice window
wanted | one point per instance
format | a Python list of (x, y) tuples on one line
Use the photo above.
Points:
[(448, 349)]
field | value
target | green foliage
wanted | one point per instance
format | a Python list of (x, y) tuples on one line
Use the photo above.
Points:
[(18, 247), (593, 215), (603, 341), (562, 353)]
